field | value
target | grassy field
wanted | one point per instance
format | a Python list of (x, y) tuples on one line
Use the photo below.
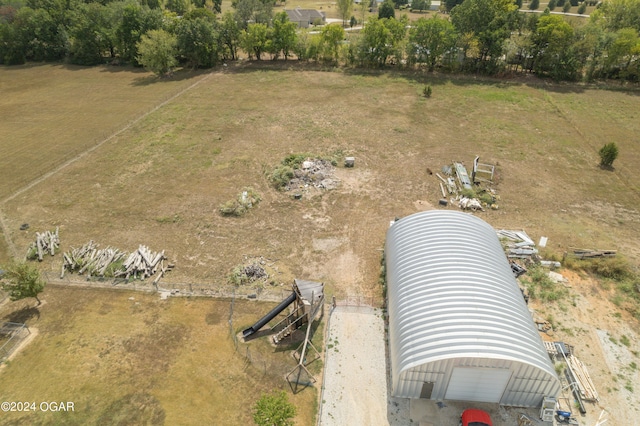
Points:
[(130, 358), (161, 181)]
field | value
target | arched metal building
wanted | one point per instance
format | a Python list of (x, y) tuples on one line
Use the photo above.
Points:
[(459, 328)]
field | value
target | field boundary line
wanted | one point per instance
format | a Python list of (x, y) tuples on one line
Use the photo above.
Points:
[(3, 225), (102, 142)]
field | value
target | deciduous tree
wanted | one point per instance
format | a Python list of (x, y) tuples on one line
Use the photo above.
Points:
[(157, 52), (490, 22), (386, 10), (429, 39), (254, 40), (345, 7), (331, 37), (22, 280), (198, 42)]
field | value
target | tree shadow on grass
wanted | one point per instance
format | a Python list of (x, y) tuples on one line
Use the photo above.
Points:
[(180, 75), (608, 168), (22, 316)]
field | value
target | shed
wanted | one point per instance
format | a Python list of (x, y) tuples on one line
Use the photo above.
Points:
[(459, 328)]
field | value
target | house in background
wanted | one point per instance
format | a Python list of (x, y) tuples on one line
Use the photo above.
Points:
[(305, 17)]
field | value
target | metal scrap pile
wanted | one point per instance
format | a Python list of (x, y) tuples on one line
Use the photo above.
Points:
[(468, 192)]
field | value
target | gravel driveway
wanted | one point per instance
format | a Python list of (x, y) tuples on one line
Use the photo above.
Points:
[(355, 390)]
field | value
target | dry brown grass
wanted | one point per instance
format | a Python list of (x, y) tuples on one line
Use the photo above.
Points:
[(130, 358), (160, 183)]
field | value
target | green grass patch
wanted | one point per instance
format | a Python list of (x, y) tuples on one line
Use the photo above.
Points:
[(543, 288)]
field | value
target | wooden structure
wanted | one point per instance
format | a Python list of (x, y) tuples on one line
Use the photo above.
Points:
[(308, 306)]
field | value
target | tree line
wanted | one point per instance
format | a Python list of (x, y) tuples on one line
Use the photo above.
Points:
[(482, 36)]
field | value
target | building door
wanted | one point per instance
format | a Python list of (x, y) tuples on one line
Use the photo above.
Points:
[(427, 389), (477, 384)]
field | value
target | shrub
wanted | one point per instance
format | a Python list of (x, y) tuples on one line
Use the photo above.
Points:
[(239, 206), (274, 410), (534, 5), (468, 192), (608, 154), (566, 8), (281, 176), (542, 287), (427, 91), (552, 4), (582, 8)]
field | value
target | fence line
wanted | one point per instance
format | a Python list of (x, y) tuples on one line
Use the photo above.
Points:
[(168, 289), (16, 332)]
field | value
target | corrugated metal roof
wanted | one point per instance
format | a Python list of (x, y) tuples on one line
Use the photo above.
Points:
[(452, 294)]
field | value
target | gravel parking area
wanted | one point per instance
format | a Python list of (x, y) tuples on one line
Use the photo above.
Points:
[(355, 377), (356, 388)]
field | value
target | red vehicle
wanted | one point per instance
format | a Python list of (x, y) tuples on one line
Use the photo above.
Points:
[(474, 417)]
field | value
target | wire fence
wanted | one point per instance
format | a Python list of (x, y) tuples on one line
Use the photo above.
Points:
[(169, 289), (11, 335)]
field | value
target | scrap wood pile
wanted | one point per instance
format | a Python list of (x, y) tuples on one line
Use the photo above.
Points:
[(578, 371), (518, 244), (111, 262), (46, 242), (592, 254), (587, 389)]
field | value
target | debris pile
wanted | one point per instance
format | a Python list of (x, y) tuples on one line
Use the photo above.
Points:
[(112, 262), (317, 173), (576, 370), (473, 192), (255, 271), (518, 244), (45, 242)]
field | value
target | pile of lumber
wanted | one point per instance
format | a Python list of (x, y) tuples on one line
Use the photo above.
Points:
[(46, 242), (140, 264), (91, 260), (589, 254), (518, 244), (143, 263), (583, 380)]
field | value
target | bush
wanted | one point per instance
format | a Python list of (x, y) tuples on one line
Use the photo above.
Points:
[(534, 5), (427, 91), (274, 410), (281, 176), (552, 4), (566, 8), (242, 204), (582, 8), (608, 154)]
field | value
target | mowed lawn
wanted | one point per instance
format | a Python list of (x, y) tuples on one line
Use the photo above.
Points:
[(130, 358)]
